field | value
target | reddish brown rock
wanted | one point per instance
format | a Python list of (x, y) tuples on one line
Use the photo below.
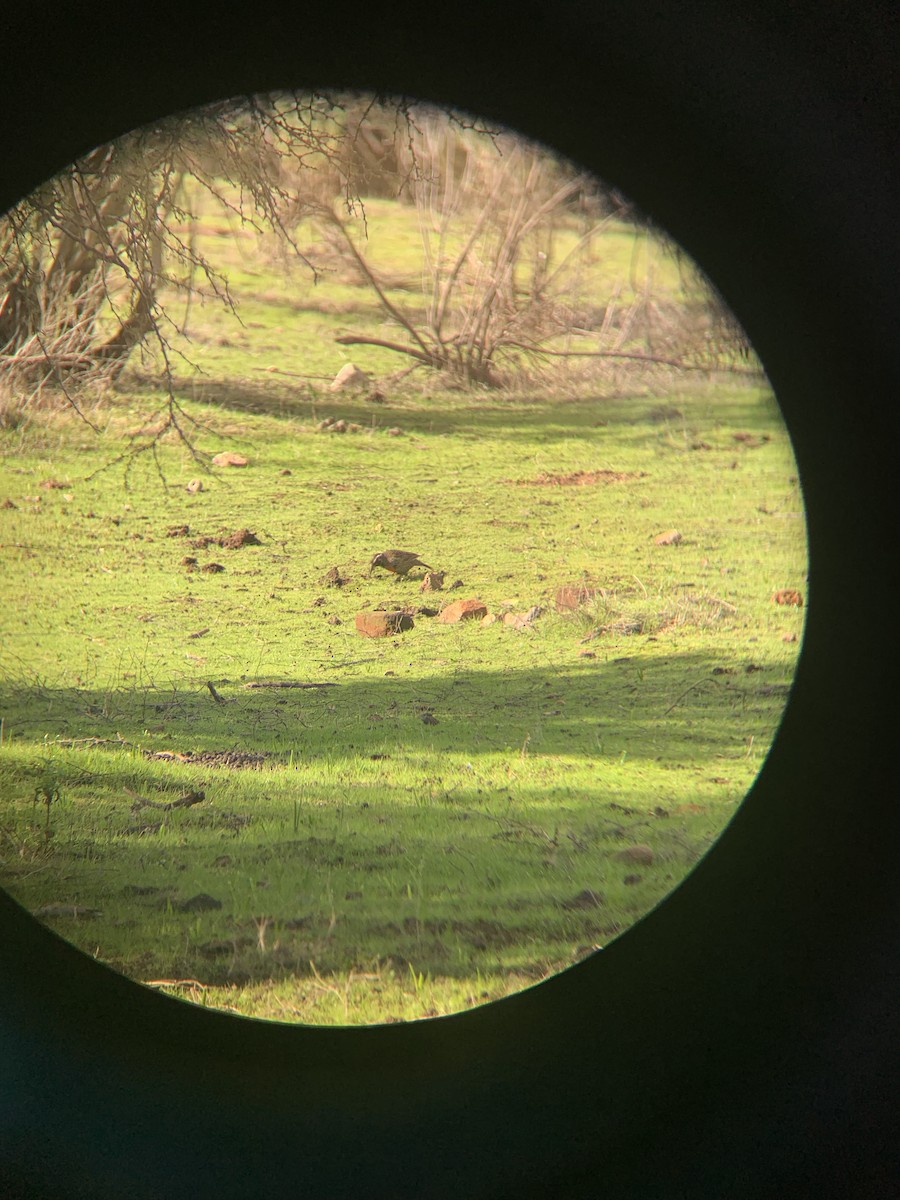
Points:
[(383, 624), (641, 855), (463, 610), (573, 596), (228, 458), (788, 596), (670, 538)]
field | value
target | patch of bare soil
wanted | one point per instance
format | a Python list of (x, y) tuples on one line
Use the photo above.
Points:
[(578, 478), (212, 758)]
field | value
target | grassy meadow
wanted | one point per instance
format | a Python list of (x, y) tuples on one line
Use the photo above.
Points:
[(449, 814)]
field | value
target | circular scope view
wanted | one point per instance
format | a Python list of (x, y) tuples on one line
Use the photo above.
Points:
[(403, 560)]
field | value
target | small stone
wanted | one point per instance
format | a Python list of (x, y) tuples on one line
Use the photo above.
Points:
[(195, 485), (178, 531), (228, 458), (395, 431), (383, 624), (463, 610), (350, 376), (490, 619), (640, 855), (789, 637), (333, 578), (334, 620), (212, 568), (339, 427), (285, 471), (670, 538), (325, 424)]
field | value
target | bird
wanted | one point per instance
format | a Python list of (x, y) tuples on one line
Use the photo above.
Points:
[(398, 562)]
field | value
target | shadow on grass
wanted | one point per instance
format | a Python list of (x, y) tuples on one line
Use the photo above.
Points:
[(461, 825), (483, 413), (678, 707)]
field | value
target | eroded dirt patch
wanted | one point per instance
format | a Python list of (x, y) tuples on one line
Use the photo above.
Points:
[(578, 478), (212, 758)]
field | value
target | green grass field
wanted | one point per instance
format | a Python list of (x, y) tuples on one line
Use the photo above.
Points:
[(452, 813)]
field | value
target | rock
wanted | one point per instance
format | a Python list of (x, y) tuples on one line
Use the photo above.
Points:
[(189, 561), (395, 431), (178, 531), (353, 427), (228, 458), (670, 538), (463, 610), (350, 376), (195, 485), (338, 426), (325, 424), (573, 596), (490, 619), (285, 471), (433, 582), (334, 620), (383, 624), (788, 596), (212, 568), (640, 855)]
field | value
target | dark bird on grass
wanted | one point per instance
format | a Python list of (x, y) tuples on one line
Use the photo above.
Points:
[(398, 562)]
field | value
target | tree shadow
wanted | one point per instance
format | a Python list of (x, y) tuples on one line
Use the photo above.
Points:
[(665, 705)]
